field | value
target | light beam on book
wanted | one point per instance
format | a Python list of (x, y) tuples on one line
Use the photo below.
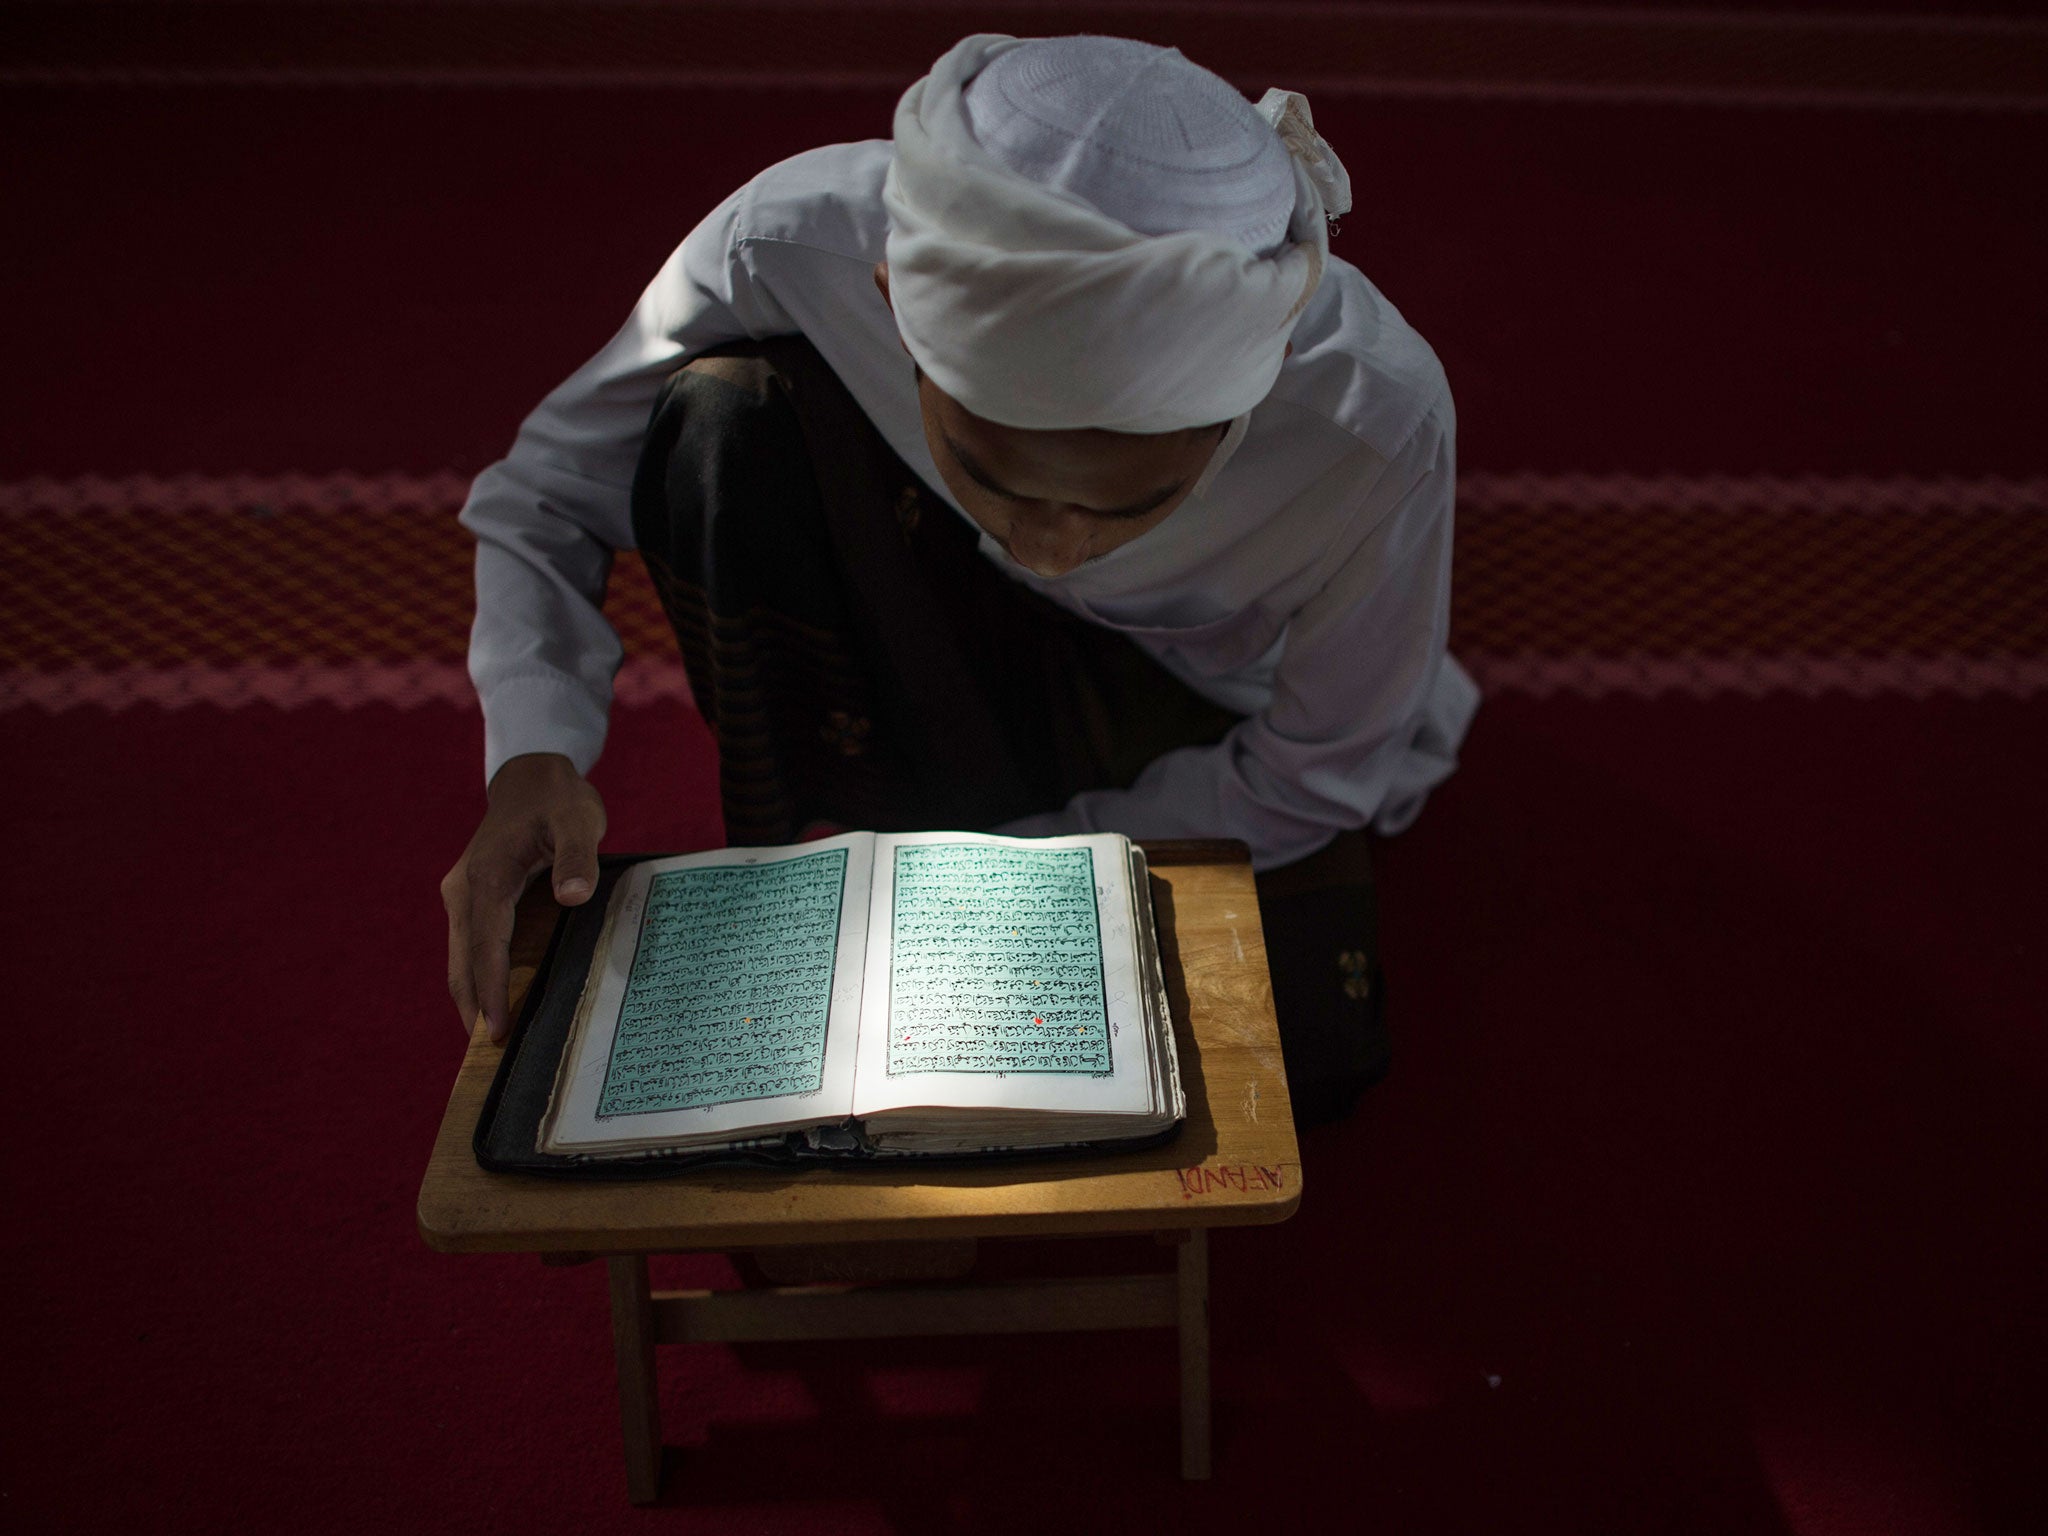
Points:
[(933, 993)]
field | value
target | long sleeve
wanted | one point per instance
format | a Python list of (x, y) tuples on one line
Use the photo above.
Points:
[(1366, 707), (549, 516)]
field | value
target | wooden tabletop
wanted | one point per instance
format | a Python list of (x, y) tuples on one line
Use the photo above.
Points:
[(1234, 1162)]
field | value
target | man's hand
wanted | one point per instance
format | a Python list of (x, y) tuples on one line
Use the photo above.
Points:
[(542, 813)]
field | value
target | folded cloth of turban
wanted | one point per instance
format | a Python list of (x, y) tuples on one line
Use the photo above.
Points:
[(1033, 307)]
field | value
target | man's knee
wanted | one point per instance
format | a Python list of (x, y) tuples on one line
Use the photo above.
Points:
[(760, 366), (746, 369), (736, 400), (726, 467), (720, 406)]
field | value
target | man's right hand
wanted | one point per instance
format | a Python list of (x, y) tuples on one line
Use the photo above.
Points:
[(542, 814)]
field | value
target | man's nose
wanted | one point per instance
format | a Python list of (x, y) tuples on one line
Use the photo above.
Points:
[(1049, 543)]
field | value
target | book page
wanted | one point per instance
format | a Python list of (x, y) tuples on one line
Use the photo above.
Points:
[(723, 975), (1001, 972)]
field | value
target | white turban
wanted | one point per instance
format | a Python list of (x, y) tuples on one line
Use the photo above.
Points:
[(1021, 295)]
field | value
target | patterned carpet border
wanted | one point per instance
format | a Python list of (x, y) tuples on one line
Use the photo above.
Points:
[(1757, 677), (1482, 492), (644, 682), (641, 682), (350, 590)]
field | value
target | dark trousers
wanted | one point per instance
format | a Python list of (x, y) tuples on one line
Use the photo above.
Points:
[(860, 662)]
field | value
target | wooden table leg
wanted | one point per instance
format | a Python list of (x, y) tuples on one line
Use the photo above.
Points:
[(639, 1406), (1194, 1355)]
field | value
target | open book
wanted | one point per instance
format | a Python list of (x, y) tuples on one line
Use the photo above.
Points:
[(922, 993)]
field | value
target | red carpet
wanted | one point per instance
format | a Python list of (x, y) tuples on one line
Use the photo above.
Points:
[(1705, 1195), (1714, 1136), (388, 279)]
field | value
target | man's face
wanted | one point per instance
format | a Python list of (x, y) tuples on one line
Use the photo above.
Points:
[(1055, 500)]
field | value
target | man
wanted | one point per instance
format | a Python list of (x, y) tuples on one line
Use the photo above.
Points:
[(1037, 471)]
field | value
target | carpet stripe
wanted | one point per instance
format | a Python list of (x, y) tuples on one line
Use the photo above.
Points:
[(1479, 491), (647, 681), (1368, 88), (353, 685), (1479, 53), (1756, 677)]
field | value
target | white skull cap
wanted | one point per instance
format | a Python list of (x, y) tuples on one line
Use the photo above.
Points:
[(1137, 132)]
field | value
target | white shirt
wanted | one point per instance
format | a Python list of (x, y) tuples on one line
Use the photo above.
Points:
[(1305, 582)]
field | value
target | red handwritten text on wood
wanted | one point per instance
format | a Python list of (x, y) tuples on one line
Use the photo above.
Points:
[(1240, 1177)]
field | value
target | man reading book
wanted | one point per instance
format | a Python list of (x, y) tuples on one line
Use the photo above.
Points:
[(1037, 470)]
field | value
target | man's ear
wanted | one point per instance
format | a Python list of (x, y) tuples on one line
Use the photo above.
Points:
[(881, 275)]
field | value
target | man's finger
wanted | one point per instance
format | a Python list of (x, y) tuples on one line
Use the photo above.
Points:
[(460, 987), (575, 832), (488, 952)]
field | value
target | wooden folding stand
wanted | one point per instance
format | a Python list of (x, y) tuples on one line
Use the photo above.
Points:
[(869, 1234)]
